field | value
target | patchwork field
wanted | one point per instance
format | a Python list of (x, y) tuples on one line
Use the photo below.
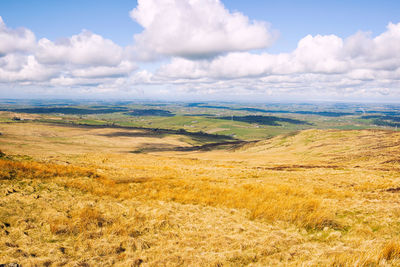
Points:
[(91, 196)]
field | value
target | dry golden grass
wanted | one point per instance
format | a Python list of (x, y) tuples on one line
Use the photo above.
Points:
[(316, 198), (10, 170), (46, 140), (390, 251)]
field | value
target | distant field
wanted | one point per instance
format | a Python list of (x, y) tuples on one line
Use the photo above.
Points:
[(240, 121)]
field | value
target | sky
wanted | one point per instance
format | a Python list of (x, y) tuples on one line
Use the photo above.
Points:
[(254, 50)]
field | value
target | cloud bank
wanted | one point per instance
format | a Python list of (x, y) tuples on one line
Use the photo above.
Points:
[(198, 47), (359, 56), (325, 65), (85, 59)]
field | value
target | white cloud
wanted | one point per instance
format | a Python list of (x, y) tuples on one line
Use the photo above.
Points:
[(387, 45), (22, 68), (358, 45), (379, 53), (85, 59), (14, 40), (319, 54), (123, 69), (68, 81), (12, 62), (359, 57), (141, 77), (195, 29), (85, 48), (320, 65)]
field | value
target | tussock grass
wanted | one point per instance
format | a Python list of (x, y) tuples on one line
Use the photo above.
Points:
[(268, 202), (85, 219), (386, 254), (390, 251), (10, 169)]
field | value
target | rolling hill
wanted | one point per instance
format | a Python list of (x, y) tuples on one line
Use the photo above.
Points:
[(79, 196)]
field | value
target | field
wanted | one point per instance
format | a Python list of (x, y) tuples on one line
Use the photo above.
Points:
[(228, 120), (109, 189)]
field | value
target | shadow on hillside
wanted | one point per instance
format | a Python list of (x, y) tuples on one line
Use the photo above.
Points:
[(155, 147), (153, 133), (152, 147), (201, 137), (139, 133)]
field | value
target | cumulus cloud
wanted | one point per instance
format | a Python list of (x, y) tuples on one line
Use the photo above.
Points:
[(21, 68), (319, 54), (85, 59), (195, 29), (387, 44), (329, 65), (359, 56), (14, 40), (123, 69), (85, 48)]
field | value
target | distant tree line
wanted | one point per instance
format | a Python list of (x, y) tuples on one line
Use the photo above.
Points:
[(66, 110), (264, 120), (255, 110), (150, 112), (384, 120)]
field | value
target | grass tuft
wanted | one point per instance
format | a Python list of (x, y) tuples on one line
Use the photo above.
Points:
[(390, 251)]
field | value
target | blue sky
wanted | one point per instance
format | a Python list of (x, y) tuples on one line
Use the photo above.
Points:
[(56, 19), (143, 67), (293, 19)]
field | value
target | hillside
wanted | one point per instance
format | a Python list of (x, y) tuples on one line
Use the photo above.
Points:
[(78, 196), (346, 148)]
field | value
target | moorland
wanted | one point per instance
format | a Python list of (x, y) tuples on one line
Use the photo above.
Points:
[(199, 184)]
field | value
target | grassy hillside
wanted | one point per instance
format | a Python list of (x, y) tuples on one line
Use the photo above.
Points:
[(79, 196)]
